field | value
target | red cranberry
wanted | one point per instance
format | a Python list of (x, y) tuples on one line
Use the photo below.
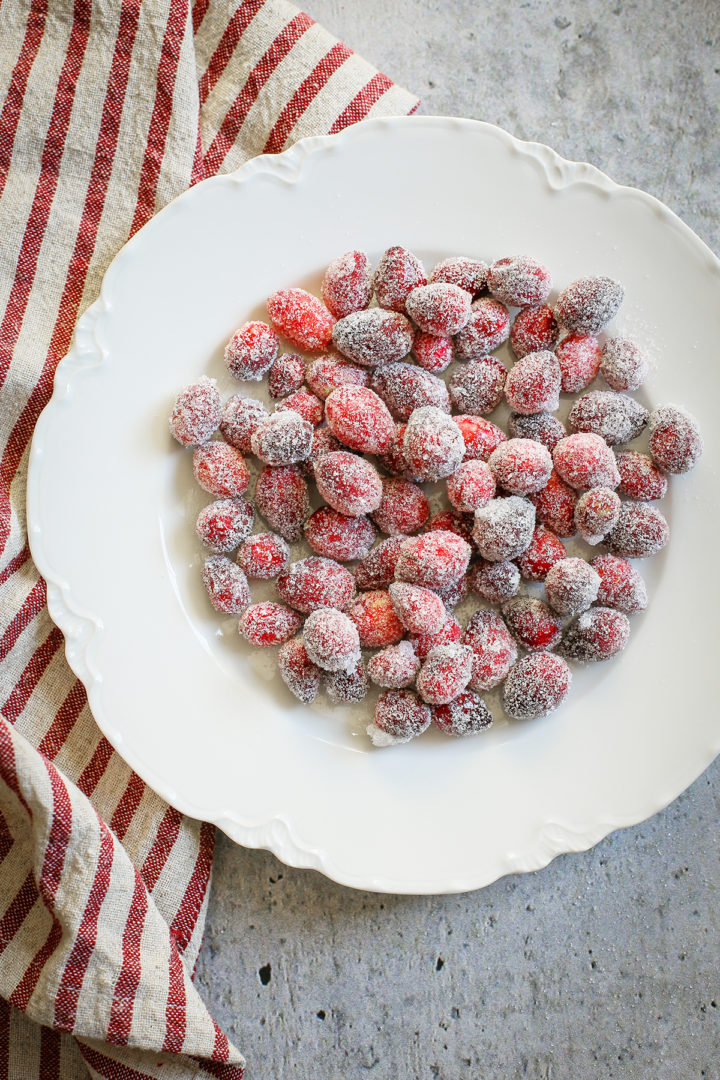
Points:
[(373, 337), (251, 351), (585, 461), (472, 485), (420, 610), (399, 717), (432, 560), (468, 274), (494, 651), (495, 582), (241, 417), (596, 635), (301, 318), (347, 687), (347, 284), (226, 584), (397, 274), (621, 585), (533, 384), (286, 375), (544, 551), (543, 427), (555, 506), (596, 513), (477, 387), (675, 440), (284, 439), (579, 358), (306, 404), (640, 478), (521, 466), (298, 672), (445, 674), (441, 308), (433, 444), (360, 419), (616, 418), (449, 633), (224, 524), (269, 624), (404, 508), (406, 387), (349, 483), (433, 353), (571, 586), (377, 568), (281, 496), (624, 366), (641, 531), (488, 328), (504, 528), (535, 329), (263, 555), (337, 536), (519, 281), (377, 623), (452, 521), (221, 470), (196, 413), (588, 304), (532, 623), (327, 373), (466, 715), (331, 640), (394, 667), (481, 436), (315, 582), (536, 686)]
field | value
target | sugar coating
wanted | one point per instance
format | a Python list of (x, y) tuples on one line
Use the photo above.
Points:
[(449, 633), (433, 444), (532, 623), (399, 717), (316, 582), (242, 416), (596, 635), (504, 528), (287, 374), (596, 513), (542, 427), (306, 404), (283, 439), (337, 536), (536, 686), (481, 436), (640, 477), (433, 353), (588, 304), (420, 610), (323, 442), (377, 623), (676, 444), (251, 351), (621, 584), (579, 358), (373, 337), (377, 569), (555, 506), (220, 469), (616, 418), (347, 284), (477, 388), (454, 592), (440, 308), (394, 667), (331, 640), (360, 419), (349, 483), (404, 508), (585, 461), (519, 281), (623, 364), (495, 582), (445, 673), (471, 486), (347, 687), (544, 551), (535, 329), (393, 460), (493, 648), (466, 715), (269, 624), (521, 466), (406, 387), (298, 672), (432, 560), (398, 272), (327, 373), (302, 318), (641, 531), (224, 524), (196, 413), (281, 496), (452, 521), (468, 274), (263, 555), (571, 586), (487, 328), (226, 584), (533, 384)]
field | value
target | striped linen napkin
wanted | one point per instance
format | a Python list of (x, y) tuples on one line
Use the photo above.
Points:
[(109, 109)]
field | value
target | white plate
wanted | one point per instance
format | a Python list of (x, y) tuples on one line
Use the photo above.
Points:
[(112, 504)]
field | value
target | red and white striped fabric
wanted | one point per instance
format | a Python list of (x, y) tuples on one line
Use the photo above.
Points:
[(110, 108)]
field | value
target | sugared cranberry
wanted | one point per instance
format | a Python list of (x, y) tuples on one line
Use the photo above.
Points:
[(251, 351), (544, 551), (596, 513), (579, 358), (519, 281), (347, 284), (327, 373), (374, 336), (226, 584), (596, 635), (641, 531), (377, 568), (263, 555), (301, 318), (348, 483), (393, 460), (441, 308), (281, 496), (471, 486), (337, 536), (241, 417), (495, 582), (640, 478), (494, 651), (375, 618), (621, 585), (220, 469), (521, 466), (555, 506), (454, 592), (468, 274), (623, 366), (481, 436), (488, 328), (445, 673), (532, 622), (420, 610), (269, 624), (616, 418), (394, 667), (433, 353), (536, 686), (360, 419), (331, 640), (323, 442), (675, 440), (306, 404), (347, 687), (588, 304), (504, 528), (477, 388), (467, 714), (571, 586), (585, 461), (533, 384), (543, 427), (433, 444), (399, 717), (432, 560), (283, 439), (224, 524), (535, 329), (316, 582), (449, 633), (298, 672), (452, 521), (406, 387), (286, 375), (196, 413), (404, 508), (398, 273)]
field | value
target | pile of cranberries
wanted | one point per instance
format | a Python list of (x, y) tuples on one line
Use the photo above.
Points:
[(363, 416)]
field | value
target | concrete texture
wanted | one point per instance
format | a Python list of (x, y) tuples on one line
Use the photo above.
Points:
[(605, 964)]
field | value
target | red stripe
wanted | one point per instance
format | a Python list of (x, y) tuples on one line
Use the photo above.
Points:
[(126, 807), (199, 12), (362, 103), (220, 1070), (159, 853), (175, 1015), (6, 838), (65, 719), (15, 563), (83, 947), (31, 676), (244, 14), (12, 106), (4, 1040), (238, 111), (96, 768), (304, 94), (50, 1043), (58, 837), (22, 993), (18, 910), (125, 991), (110, 1067), (8, 766), (32, 605), (183, 925)]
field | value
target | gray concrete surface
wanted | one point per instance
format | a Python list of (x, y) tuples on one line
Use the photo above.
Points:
[(603, 965)]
